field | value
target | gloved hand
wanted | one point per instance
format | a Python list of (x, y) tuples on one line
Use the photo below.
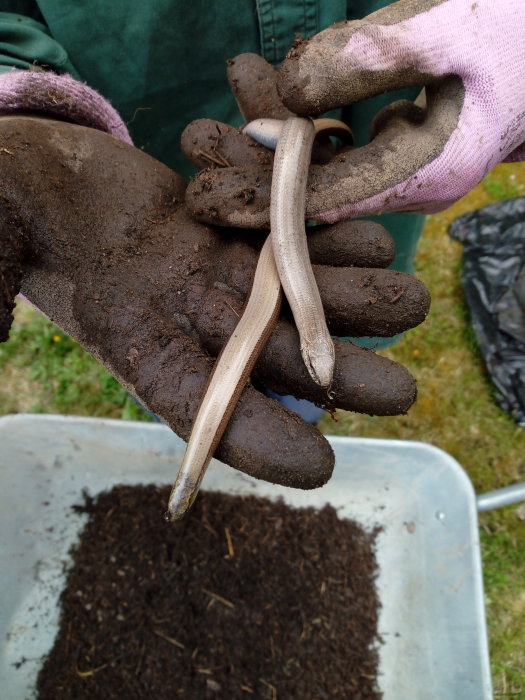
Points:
[(97, 233), (470, 56)]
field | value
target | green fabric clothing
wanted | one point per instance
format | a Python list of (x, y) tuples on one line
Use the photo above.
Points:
[(24, 40), (162, 64)]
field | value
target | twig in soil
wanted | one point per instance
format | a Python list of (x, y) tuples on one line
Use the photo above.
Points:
[(171, 640), (219, 598), (272, 688), (236, 313), (141, 658), (91, 672), (229, 542), (397, 296), (272, 648), (206, 526), (216, 158)]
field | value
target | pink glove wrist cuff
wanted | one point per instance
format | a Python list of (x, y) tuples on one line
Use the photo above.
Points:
[(62, 96)]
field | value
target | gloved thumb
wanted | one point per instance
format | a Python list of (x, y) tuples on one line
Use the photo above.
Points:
[(354, 60)]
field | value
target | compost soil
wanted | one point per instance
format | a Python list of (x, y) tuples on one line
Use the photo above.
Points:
[(244, 599)]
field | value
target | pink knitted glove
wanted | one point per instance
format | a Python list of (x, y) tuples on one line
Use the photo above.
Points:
[(470, 55), (61, 96)]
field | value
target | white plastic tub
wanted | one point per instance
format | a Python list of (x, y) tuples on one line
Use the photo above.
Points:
[(432, 618)]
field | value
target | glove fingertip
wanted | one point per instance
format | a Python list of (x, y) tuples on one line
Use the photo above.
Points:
[(253, 82), (311, 80), (270, 442), (291, 84), (231, 197), (351, 243)]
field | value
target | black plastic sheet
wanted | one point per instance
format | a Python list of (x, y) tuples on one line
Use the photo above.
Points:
[(494, 283)]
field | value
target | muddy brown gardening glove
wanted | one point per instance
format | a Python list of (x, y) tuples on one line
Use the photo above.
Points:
[(470, 56), (111, 256)]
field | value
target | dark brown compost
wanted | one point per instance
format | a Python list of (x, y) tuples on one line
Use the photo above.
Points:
[(244, 599)]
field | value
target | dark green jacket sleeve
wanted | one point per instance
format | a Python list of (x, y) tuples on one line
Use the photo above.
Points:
[(26, 42)]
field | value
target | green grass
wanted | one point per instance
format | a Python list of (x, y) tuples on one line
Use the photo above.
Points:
[(45, 371), (503, 549), (502, 184)]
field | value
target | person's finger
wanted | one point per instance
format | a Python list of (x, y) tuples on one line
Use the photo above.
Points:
[(369, 302), (351, 243), (358, 301), (209, 144), (253, 82), (354, 60), (363, 381), (352, 305), (238, 197)]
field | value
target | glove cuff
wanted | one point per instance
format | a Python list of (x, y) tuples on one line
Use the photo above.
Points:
[(60, 95)]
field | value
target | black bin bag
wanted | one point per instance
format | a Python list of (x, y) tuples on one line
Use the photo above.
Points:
[(494, 283)]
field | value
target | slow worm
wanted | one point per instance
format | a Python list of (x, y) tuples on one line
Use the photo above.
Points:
[(230, 373), (287, 207), (284, 260)]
